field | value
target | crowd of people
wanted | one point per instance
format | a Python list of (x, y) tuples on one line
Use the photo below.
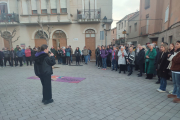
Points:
[(148, 60)]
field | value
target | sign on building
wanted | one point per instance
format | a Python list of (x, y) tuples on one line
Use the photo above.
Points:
[(75, 39)]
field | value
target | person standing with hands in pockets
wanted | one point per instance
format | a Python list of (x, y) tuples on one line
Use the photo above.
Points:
[(43, 69)]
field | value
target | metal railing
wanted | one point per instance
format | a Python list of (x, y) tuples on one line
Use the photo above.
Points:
[(9, 17), (89, 14), (145, 30)]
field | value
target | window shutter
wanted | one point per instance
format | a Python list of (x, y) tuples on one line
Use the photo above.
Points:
[(43, 4), (63, 3), (53, 4), (33, 4), (166, 14), (24, 7)]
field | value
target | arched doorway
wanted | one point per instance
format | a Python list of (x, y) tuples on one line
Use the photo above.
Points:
[(59, 39), (39, 40), (90, 42)]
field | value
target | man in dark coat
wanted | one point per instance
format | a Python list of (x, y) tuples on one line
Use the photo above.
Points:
[(1, 58), (97, 54), (141, 60), (14, 58), (54, 51), (6, 56), (156, 64)]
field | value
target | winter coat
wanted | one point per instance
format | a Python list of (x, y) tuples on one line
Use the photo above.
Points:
[(109, 54), (77, 53), (33, 55), (131, 58), (104, 53), (54, 51), (122, 58), (68, 52), (19, 53), (141, 55), (90, 52), (149, 62), (13, 54), (163, 63), (157, 58), (28, 53), (1, 55), (113, 55), (59, 53), (176, 63), (6, 53), (71, 51), (23, 50), (98, 53), (85, 52), (43, 64), (116, 55), (16, 49)]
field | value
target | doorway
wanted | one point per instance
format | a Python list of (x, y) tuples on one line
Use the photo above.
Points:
[(39, 40), (90, 42), (59, 39)]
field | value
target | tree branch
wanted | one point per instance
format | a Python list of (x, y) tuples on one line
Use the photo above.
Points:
[(16, 39)]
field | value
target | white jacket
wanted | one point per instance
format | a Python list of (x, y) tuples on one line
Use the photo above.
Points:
[(121, 59)]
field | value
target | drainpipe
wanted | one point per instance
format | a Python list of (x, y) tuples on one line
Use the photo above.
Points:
[(170, 6)]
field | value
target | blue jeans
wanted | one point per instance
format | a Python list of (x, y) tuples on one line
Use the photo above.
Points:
[(176, 82), (59, 60), (104, 62), (24, 59), (86, 58), (130, 68), (89, 57), (163, 84), (114, 62)]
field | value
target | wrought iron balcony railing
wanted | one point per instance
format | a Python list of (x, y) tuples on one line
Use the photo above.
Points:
[(9, 17), (89, 14)]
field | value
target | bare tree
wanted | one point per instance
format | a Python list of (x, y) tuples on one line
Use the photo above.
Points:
[(9, 36), (42, 33)]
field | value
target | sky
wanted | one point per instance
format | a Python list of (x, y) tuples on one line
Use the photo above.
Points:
[(121, 8)]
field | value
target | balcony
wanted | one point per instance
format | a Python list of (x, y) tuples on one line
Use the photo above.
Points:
[(89, 15), (9, 18), (145, 30)]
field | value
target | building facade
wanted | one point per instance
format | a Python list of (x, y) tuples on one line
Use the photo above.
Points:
[(113, 35), (74, 22), (160, 21)]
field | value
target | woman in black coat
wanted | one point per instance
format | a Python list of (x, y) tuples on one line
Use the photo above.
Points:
[(77, 54), (140, 60), (162, 65), (43, 69)]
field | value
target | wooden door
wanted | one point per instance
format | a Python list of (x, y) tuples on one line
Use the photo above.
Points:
[(39, 42), (63, 42), (54, 44), (90, 43), (6, 44)]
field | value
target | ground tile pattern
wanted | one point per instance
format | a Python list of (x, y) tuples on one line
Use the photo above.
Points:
[(103, 95)]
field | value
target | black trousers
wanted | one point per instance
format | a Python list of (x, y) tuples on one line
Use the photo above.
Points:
[(99, 62), (7, 59), (1, 62), (28, 59), (64, 60), (20, 60), (108, 61), (122, 68), (141, 69), (68, 60), (14, 61), (77, 59), (46, 86), (149, 76)]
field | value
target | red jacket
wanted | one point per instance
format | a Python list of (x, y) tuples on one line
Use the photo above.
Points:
[(28, 53)]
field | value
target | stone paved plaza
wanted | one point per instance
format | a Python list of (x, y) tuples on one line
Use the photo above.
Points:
[(103, 95)]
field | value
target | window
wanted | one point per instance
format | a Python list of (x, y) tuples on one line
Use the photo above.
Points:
[(166, 14), (25, 7), (44, 11), (129, 29), (147, 4), (63, 5), (122, 25), (34, 6), (34, 12), (135, 27), (43, 6), (53, 6), (3, 8), (162, 39), (125, 24), (170, 39)]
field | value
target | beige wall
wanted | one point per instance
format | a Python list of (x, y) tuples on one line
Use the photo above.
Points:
[(113, 35)]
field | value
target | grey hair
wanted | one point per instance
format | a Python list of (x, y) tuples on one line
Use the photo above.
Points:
[(151, 45)]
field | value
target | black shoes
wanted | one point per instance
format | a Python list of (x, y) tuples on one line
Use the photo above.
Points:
[(129, 74), (157, 82), (47, 101)]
